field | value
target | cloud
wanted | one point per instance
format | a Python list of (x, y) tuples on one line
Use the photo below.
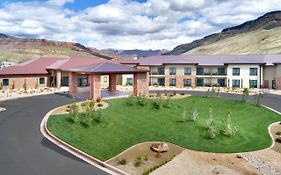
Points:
[(125, 24)]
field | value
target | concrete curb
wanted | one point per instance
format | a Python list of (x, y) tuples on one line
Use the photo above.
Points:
[(84, 156)]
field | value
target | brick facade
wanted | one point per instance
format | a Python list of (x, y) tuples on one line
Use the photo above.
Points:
[(141, 83), (278, 83), (95, 86), (73, 84), (29, 81), (112, 82), (58, 79)]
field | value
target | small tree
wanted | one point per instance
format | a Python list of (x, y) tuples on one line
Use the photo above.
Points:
[(130, 100), (168, 102), (212, 132), (88, 113), (195, 114), (183, 115), (259, 98), (142, 100), (210, 120), (159, 101), (98, 116), (74, 112), (229, 130), (245, 94)]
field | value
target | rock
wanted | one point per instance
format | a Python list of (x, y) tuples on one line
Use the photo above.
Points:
[(278, 139), (160, 147)]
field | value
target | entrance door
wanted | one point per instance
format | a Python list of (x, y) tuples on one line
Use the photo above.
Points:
[(273, 84)]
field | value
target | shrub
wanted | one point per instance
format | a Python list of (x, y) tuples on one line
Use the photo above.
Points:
[(99, 99), (259, 98), (195, 114), (210, 119), (145, 158), (245, 94), (212, 132), (159, 102), (122, 162), (98, 116), (207, 93), (229, 130), (130, 100), (138, 161), (213, 90), (74, 112), (168, 102), (92, 103), (141, 100), (88, 114)]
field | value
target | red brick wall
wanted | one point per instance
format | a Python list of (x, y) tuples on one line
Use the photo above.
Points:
[(265, 84), (278, 83), (179, 80), (141, 83), (31, 81), (95, 86)]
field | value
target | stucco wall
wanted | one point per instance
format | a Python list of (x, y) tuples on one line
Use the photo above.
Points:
[(269, 74)]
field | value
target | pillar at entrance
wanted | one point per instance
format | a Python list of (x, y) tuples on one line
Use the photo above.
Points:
[(58, 79), (112, 82), (95, 86), (141, 83), (73, 83)]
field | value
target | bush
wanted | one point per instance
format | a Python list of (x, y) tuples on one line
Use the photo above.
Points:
[(138, 161), (159, 102), (210, 120), (130, 100), (212, 132), (168, 102), (100, 105), (229, 130), (141, 100), (74, 112), (195, 114), (89, 111), (245, 94), (99, 99), (122, 162), (98, 116)]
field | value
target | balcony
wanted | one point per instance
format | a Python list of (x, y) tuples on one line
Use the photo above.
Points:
[(157, 73), (211, 73)]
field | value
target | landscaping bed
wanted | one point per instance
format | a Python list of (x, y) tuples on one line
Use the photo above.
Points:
[(126, 125)]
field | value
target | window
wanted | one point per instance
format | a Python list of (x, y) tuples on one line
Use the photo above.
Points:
[(5, 82), (221, 71), (200, 82), (161, 81), (236, 71), (221, 82), (172, 82), (200, 71), (82, 81), (64, 81), (41, 80), (172, 70), (187, 71), (236, 83), (105, 79), (129, 81), (187, 82), (253, 71), (161, 71), (253, 83)]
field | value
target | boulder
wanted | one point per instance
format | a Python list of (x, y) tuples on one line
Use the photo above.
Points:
[(160, 147)]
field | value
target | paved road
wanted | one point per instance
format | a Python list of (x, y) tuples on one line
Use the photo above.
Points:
[(24, 150)]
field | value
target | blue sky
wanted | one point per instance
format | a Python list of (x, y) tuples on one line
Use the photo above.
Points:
[(127, 24)]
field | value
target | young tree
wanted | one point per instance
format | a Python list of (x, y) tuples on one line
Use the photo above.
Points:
[(229, 130), (195, 114), (130, 100), (210, 120), (183, 114), (259, 98), (245, 94), (168, 102), (88, 113), (159, 101), (74, 112), (98, 116)]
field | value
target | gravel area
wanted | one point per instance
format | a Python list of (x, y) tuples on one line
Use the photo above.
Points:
[(259, 164)]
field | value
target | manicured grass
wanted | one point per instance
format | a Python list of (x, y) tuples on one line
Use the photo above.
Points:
[(126, 126)]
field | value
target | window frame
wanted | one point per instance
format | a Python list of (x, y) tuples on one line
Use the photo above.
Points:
[(234, 73), (40, 80), (172, 70), (187, 70), (171, 80), (4, 84), (256, 71), (255, 85), (186, 84), (234, 84)]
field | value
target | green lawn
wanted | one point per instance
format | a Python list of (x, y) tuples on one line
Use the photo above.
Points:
[(125, 126)]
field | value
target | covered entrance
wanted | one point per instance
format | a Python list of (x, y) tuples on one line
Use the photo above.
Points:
[(92, 78)]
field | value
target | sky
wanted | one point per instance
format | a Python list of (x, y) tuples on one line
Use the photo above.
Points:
[(127, 24)]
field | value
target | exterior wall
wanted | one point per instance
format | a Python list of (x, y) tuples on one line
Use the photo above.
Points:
[(95, 86), (124, 78), (112, 82), (244, 74), (180, 69), (73, 84), (140, 83), (179, 80), (278, 76), (104, 81), (269, 74), (31, 81)]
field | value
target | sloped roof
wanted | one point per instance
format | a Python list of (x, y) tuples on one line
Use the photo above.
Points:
[(35, 66), (105, 67)]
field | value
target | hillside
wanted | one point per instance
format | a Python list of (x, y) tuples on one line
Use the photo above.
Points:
[(261, 35), (136, 52), (21, 49)]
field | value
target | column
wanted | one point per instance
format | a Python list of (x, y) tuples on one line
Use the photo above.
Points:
[(112, 82), (58, 79), (95, 86), (141, 83), (73, 83)]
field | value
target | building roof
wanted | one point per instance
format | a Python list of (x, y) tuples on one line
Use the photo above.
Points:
[(35, 66), (105, 67), (205, 60)]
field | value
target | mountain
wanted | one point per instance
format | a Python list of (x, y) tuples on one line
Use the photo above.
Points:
[(259, 36), (21, 49), (136, 52)]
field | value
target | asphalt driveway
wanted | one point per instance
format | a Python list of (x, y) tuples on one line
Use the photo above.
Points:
[(24, 150)]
